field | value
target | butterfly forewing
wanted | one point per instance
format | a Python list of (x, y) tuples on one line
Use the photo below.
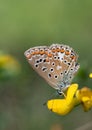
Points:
[(57, 64)]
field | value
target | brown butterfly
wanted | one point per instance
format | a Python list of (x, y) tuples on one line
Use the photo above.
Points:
[(57, 64)]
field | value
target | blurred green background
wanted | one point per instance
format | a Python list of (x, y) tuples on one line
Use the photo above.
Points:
[(28, 23)]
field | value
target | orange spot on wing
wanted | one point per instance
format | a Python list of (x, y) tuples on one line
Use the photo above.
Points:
[(73, 57), (41, 52), (50, 55), (53, 50), (67, 52), (58, 50), (62, 50)]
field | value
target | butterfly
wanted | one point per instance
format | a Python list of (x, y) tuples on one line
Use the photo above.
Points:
[(57, 64)]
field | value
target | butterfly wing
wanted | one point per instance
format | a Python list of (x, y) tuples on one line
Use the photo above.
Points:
[(53, 63), (43, 62), (67, 65)]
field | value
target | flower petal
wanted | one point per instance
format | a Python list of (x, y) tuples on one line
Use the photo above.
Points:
[(64, 106)]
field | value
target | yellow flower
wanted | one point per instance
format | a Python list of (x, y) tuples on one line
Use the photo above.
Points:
[(84, 95), (74, 96), (64, 106), (9, 66), (90, 75)]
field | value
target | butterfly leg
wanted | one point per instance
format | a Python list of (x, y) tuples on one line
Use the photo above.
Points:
[(61, 93)]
